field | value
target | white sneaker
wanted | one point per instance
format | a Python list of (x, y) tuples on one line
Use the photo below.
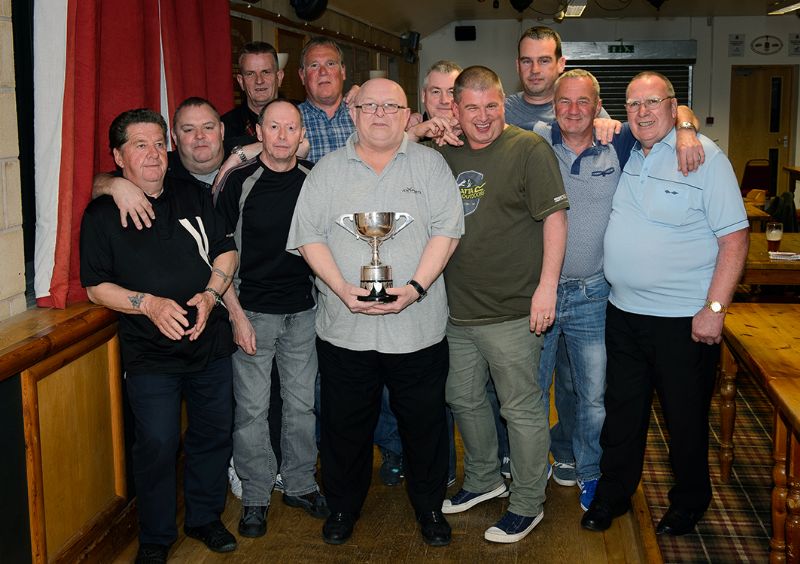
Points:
[(505, 467), (235, 482), (278, 483), (464, 500)]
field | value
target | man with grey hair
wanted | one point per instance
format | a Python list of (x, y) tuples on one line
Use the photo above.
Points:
[(674, 250), (259, 77), (364, 344), (327, 119), (501, 288)]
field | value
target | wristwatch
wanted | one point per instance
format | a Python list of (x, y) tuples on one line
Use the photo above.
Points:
[(716, 307), (687, 125), (418, 287), (239, 152)]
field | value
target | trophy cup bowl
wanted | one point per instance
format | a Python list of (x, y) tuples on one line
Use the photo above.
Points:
[(375, 228)]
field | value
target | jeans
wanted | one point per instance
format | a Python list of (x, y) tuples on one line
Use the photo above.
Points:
[(575, 347), (511, 352), (290, 339), (155, 401), (387, 437)]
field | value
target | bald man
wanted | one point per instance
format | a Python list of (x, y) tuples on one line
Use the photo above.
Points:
[(400, 342)]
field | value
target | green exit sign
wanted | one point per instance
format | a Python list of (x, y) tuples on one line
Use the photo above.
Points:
[(620, 48)]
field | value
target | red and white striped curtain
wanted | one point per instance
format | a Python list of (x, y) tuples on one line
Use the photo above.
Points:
[(92, 60)]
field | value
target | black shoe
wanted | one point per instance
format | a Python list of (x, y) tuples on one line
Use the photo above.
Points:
[(253, 523), (214, 535), (600, 515), (434, 528), (338, 528), (152, 554), (677, 521), (391, 470), (313, 503)]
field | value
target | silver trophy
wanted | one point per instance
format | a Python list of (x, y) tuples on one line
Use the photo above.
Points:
[(375, 228)]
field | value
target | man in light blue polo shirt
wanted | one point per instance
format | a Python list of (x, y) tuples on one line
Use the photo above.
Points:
[(674, 250)]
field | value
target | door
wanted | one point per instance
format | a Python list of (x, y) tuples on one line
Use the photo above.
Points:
[(763, 105)]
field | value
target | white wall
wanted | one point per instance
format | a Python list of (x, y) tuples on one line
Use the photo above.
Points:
[(496, 47)]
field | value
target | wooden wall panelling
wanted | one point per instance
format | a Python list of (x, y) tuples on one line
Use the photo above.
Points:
[(75, 447)]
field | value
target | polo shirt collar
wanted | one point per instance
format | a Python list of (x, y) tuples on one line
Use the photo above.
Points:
[(352, 154)]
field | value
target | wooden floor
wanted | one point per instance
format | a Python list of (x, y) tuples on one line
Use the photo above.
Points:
[(388, 533)]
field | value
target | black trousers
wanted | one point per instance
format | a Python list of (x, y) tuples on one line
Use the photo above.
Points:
[(647, 353), (352, 384), (155, 400)]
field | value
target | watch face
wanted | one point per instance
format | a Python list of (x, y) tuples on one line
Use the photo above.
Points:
[(716, 307)]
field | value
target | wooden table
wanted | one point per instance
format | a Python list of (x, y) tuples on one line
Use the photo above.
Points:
[(764, 340), (756, 216), (759, 269)]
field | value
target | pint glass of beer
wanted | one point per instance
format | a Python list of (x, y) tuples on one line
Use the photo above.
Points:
[(774, 234)]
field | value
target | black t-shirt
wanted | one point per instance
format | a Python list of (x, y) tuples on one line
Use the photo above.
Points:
[(171, 260), (271, 280), (240, 127)]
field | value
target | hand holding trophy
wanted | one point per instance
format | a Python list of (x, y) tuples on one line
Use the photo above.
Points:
[(375, 228)]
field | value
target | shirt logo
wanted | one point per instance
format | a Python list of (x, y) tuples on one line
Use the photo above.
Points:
[(673, 192), (411, 190), (472, 186), (605, 172)]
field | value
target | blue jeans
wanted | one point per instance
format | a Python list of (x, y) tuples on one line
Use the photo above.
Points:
[(290, 338), (575, 347), (387, 437)]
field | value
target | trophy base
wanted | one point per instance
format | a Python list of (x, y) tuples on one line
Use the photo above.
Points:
[(382, 299), (377, 289)]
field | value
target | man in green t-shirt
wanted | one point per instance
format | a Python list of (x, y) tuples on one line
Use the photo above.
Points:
[(501, 291)]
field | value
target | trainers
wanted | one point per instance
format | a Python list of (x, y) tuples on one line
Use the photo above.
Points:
[(505, 467), (464, 500), (451, 480), (214, 535), (564, 473), (588, 488), (391, 471), (312, 503), (152, 554), (253, 523), (512, 527), (234, 481), (278, 483)]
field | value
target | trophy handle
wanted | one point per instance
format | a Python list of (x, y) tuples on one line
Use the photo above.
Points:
[(408, 220), (351, 217)]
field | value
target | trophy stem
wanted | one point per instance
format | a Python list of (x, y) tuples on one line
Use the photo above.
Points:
[(375, 243)]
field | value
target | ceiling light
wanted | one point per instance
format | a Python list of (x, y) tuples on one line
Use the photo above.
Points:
[(575, 8), (780, 8)]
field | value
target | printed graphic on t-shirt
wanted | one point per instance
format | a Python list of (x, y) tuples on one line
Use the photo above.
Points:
[(473, 188)]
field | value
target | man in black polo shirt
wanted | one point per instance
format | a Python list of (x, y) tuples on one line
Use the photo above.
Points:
[(176, 343)]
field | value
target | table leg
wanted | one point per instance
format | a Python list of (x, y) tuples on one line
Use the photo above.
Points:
[(793, 502), (777, 545), (727, 392)]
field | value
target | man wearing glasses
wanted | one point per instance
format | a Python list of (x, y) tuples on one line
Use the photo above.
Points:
[(674, 250), (364, 345)]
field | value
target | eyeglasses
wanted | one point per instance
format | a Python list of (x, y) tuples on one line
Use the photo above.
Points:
[(650, 103), (388, 107)]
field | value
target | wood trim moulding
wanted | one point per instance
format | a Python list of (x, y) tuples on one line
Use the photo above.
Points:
[(44, 333), (308, 28)]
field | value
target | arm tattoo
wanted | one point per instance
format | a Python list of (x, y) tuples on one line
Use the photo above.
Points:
[(221, 274), (136, 300)]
